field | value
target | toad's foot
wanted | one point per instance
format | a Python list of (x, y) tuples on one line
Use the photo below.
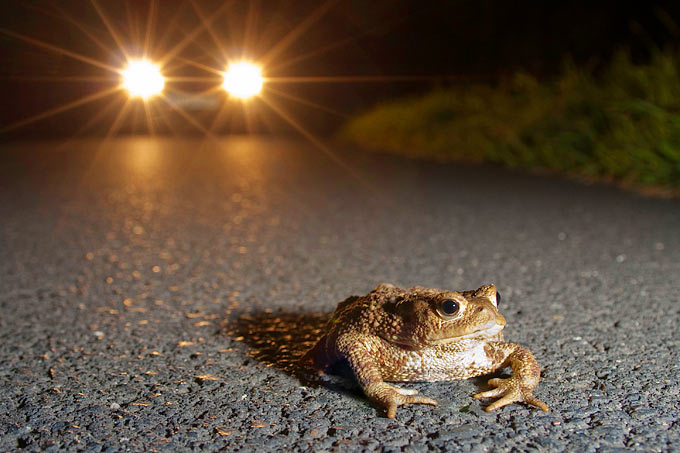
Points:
[(512, 391), (391, 397)]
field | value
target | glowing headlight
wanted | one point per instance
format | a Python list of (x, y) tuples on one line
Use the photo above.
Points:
[(243, 80), (142, 79)]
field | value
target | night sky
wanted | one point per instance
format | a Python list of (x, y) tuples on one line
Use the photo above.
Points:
[(434, 42)]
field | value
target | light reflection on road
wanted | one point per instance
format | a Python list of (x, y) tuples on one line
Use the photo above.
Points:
[(142, 156)]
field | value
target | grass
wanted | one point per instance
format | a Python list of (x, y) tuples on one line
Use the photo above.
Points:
[(622, 125)]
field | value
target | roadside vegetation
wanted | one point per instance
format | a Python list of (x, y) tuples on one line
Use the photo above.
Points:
[(621, 125)]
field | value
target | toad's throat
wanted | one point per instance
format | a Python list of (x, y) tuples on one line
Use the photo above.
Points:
[(489, 330)]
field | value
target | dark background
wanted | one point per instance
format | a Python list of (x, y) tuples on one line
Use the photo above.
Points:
[(444, 42)]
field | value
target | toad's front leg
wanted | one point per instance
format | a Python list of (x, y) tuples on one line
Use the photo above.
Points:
[(520, 387), (363, 357)]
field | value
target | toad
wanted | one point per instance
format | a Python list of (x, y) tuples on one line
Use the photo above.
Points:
[(421, 334)]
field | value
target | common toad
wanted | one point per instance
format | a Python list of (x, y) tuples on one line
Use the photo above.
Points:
[(421, 334)]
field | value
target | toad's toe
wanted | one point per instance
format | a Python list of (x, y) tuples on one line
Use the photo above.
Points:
[(391, 397), (404, 400), (511, 392)]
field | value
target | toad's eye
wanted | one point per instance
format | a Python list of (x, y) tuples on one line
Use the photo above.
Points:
[(450, 307), (498, 298)]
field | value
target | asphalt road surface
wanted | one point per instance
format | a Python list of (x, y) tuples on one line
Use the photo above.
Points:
[(155, 294)]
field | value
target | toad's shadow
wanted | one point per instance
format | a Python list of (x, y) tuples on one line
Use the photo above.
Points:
[(280, 339)]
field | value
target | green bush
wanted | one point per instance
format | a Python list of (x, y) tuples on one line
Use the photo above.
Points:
[(621, 125)]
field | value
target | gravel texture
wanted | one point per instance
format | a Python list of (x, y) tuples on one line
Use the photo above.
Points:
[(155, 293)]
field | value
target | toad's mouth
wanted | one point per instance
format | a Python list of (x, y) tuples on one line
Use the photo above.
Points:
[(487, 331)]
